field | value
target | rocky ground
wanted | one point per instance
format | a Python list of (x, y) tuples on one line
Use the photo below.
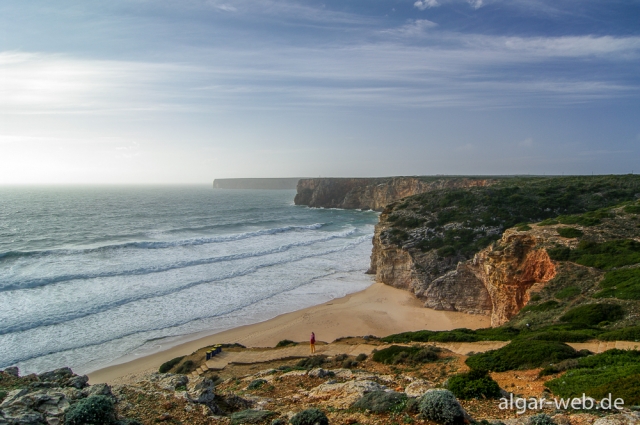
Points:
[(273, 392)]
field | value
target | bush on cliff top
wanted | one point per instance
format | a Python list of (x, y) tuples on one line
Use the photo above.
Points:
[(473, 384), (605, 255), (522, 354), (95, 410), (382, 401), (311, 416), (593, 314), (623, 284), (167, 366), (441, 406), (614, 371), (409, 355)]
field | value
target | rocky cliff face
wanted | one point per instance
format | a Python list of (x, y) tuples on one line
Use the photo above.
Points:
[(496, 281), (372, 193), (467, 249)]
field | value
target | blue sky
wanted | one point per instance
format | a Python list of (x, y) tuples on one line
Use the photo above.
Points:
[(185, 91)]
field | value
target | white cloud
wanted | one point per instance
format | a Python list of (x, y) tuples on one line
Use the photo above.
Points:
[(426, 4), (476, 4), (414, 28)]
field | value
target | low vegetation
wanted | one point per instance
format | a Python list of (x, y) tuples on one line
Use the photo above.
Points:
[(473, 384), (441, 406), (167, 366), (408, 355), (382, 401), (594, 314), (96, 410), (614, 371), (522, 354), (310, 417)]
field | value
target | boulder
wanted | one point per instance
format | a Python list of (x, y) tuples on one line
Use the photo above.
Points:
[(344, 394)]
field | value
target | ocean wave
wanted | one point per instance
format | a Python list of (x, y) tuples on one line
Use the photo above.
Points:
[(39, 282), (23, 327), (161, 244)]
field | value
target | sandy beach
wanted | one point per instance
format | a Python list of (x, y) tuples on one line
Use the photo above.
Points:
[(379, 310)]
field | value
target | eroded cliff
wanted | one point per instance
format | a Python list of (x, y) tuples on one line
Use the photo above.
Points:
[(373, 193), (469, 249)]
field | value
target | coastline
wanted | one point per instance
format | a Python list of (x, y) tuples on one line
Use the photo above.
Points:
[(378, 310)]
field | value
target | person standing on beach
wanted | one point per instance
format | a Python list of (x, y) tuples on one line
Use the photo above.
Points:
[(312, 343)]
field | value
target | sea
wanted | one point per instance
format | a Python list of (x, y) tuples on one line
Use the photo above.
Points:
[(93, 275)]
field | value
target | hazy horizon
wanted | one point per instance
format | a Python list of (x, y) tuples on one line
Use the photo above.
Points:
[(132, 92)]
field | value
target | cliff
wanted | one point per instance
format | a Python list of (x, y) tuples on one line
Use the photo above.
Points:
[(373, 193), (470, 249), (261, 184)]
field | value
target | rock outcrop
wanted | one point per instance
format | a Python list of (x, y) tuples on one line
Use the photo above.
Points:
[(496, 281), (373, 193), (509, 269)]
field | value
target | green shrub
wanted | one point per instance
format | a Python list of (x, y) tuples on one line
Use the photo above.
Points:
[(348, 364), (613, 371), (623, 284), (523, 228), (626, 334), (95, 410), (568, 292), (361, 357), (285, 343), (559, 367), (592, 314), (310, 417), (256, 383), (545, 306), (408, 355), (250, 416), (473, 384), (167, 366), (569, 232), (446, 251), (312, 362), (521, 354), (3, 395), (632, 209), (441, 406), (382, 401), (504, 333), (605, 255), (186, 367), (548, 222), (541, 419)]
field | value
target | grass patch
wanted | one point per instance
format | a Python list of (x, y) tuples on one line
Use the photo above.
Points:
[(545, 306), (186, 367), (622, 284), (568, 292), (522, 354), (594, 314), (474, 384), (605, 256), (285, 343), (614, 371), (632, 209), (408, 355), (456, 335), (548, 222), (569, 232), (167, 366), (626, 334)]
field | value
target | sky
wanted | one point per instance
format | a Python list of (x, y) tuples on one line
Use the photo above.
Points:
[(186, 91)]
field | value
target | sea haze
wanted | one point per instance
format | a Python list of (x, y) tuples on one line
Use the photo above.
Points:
[(91, 274)]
